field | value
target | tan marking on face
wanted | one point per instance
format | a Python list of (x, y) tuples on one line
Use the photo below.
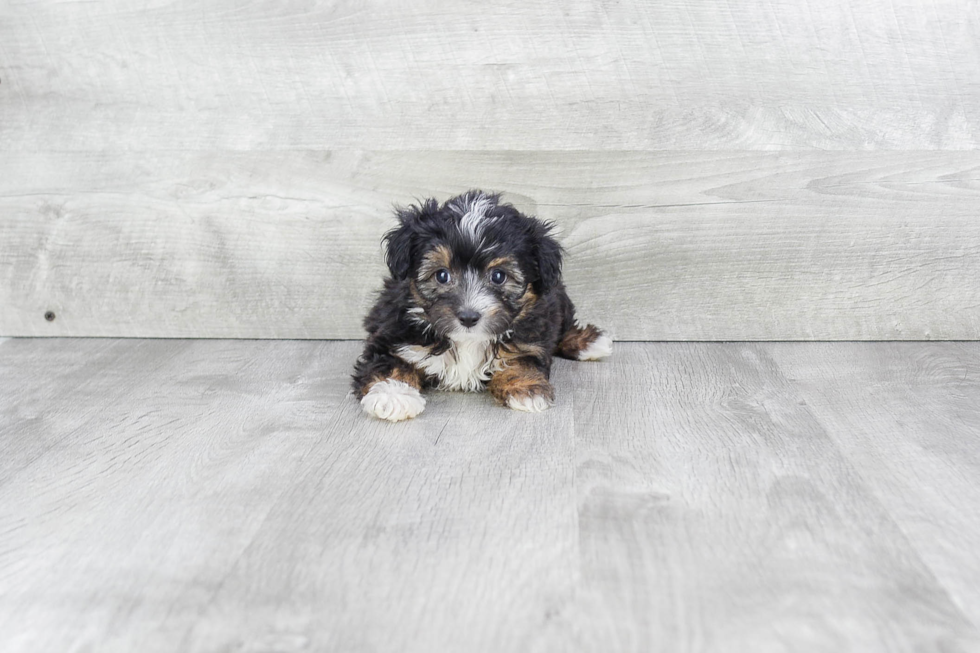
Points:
[(511, 267), (435, 259), (527, 302), (520, 380), (502, 262)]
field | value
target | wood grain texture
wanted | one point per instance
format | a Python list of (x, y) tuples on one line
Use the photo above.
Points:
[(762, 171), (117, 535), (661, 246), (460, 525), (710, 495), (586, 74), (185, 505), (909, 417), (231, 496)]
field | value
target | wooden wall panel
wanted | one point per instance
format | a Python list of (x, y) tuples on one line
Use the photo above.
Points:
[(444, 74), (765, 170), (661, 246)]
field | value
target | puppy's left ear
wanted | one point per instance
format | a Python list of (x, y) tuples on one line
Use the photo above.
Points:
[(549, 253)]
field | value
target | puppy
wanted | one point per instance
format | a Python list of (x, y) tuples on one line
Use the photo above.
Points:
[(475, 301)]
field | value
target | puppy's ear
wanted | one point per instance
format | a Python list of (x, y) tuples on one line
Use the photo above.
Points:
[(398, 251), (548, 253), (400, 242)]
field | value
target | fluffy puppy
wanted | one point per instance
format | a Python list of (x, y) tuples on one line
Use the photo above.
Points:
[(475, 301)]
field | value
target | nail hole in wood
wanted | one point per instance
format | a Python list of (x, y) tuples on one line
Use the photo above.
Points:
[(49, 316)]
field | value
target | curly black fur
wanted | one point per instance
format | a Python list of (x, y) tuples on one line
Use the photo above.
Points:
[(465, 239)]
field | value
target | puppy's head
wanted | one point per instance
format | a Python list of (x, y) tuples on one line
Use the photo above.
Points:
[(474, 265)]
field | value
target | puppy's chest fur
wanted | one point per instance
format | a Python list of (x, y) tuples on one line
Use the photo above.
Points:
[(467, 365)]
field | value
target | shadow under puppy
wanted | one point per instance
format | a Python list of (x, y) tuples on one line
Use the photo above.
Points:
[(475, 301)]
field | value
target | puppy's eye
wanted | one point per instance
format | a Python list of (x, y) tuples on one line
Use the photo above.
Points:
[(442, 276), (498, 276)]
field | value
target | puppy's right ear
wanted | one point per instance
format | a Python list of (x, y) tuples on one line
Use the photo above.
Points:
[(398, 251), (400, 242)]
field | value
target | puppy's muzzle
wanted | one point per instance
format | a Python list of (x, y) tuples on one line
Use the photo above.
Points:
[(468, 317)]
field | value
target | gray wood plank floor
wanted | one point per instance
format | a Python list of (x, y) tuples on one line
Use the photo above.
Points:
[(182, 495)]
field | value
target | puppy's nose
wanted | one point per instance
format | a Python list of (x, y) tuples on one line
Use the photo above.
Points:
[(468, 317)]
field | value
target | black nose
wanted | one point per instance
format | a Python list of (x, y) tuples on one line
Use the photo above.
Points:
[(468, 318)]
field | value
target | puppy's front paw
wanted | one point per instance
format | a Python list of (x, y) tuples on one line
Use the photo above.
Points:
[(393, 400), (522, 387), (529, 403), (531, 398)]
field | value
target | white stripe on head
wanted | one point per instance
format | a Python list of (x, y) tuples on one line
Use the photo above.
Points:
[(472, 209)]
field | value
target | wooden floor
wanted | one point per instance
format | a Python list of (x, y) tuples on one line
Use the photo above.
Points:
[(179, 495)]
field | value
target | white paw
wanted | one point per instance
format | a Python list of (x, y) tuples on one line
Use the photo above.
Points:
[(530, 404), (393, 400), (601, 347)]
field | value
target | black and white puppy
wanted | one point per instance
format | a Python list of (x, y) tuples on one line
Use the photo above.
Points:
[(475, 301)]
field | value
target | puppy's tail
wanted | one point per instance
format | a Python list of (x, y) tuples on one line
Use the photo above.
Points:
[(588, 343)]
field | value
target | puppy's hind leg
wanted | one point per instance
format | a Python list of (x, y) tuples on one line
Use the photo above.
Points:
[(588, 343)]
